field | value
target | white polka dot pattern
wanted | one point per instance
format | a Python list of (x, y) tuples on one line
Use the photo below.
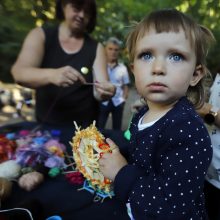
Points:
[(169, 163)]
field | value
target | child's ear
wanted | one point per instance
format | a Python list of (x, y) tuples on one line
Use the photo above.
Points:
[(197, 75)]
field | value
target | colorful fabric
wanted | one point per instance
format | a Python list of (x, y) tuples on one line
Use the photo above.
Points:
[(31, 149)]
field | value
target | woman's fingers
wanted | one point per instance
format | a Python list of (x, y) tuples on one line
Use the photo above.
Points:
[(73, 75)]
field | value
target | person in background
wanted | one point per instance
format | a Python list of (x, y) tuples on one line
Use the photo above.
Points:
[(119, 76), (65, 66), (211, 114), (170, 148)]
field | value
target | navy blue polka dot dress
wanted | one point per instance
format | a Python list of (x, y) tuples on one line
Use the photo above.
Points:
[(167, 167)]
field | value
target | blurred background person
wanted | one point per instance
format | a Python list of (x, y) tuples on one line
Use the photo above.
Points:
[(211, 114), (118, 75), (62, 63)]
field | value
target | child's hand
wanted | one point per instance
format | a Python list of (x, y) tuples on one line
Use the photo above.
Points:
[(111, 163)]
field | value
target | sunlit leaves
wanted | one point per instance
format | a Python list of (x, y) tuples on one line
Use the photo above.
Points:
[(115, 17)]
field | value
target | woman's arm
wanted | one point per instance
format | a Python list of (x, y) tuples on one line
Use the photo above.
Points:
[(27, 72), (26, 69), (217, 119), (100, 65), (103, 89)]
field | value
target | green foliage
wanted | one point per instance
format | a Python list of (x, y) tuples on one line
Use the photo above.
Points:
[(16, 19), (13, 27), (115, 18)]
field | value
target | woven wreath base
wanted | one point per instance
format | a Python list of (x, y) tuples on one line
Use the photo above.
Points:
[(88, 145), (99, 194)]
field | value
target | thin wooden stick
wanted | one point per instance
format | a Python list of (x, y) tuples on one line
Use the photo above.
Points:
[(93, 84), (76, 126)]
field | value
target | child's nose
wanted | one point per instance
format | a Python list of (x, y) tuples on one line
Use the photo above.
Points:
[(158, 67)]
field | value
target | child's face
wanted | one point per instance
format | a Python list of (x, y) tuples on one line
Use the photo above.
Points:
[(164, 66)]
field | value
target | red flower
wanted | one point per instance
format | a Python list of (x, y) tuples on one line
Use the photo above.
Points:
[(75, 178)]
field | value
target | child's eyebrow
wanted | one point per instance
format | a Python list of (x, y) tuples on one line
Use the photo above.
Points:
[(170, 50), (179, 50), (143, 50)]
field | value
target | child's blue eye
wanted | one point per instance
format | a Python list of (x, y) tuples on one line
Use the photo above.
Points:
[(176, 57), (146, 56)]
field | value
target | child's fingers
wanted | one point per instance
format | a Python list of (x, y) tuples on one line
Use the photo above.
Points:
[(112, 145)]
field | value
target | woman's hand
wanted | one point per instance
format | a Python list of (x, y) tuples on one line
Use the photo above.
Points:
[(66, 76), (104, 90), (111, 163)]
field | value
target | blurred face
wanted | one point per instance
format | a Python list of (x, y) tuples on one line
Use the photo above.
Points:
[(76, 19), (112, 52), (164, 66)]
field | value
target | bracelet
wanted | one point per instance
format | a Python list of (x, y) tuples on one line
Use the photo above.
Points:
[(209, 118)]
